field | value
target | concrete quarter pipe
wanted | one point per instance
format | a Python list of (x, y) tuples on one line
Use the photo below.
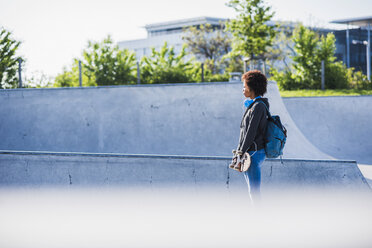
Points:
[(340, 126), (192, 119)]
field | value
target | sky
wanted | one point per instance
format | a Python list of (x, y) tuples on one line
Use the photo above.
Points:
[(53, 32)]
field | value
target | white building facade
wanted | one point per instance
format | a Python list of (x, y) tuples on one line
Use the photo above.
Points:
[(170, 32)]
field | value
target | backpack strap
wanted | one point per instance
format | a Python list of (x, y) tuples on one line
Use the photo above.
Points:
[(268, 117), (268, 112), (246, 111)]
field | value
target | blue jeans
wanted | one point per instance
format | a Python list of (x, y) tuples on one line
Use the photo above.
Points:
[(253, 174)]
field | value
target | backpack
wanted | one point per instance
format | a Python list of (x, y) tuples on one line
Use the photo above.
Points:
[(275, 136)]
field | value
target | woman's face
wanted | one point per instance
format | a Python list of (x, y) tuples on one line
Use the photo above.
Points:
[(247, 91)]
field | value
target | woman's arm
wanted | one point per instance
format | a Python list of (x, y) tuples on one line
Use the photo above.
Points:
[(252, 123)]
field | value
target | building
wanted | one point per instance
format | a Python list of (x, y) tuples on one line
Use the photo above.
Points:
[(355, 44), (171, 32), (358, 56)]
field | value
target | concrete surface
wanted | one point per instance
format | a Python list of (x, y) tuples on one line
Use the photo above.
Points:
[(85, 169), (339, 126), (177, 119)]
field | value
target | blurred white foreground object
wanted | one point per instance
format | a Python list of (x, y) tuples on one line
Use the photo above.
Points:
[(165, 218)]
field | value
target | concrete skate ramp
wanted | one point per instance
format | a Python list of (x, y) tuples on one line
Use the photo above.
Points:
[(154, 171), (176, 119), (340, 126)]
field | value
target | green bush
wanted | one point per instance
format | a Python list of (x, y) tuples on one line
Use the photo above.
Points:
[(359, 81), (103, 63), (310, 50), (195, 74), (70, 78), (109, 64), (167, 75), (217, 78), (336, 76), (210, 77), (285, 79), (165, 67)]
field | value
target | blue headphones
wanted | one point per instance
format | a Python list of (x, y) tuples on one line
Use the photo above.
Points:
[(248, 101)]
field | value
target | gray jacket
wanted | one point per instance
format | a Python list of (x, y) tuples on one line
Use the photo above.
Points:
[(253, 126)]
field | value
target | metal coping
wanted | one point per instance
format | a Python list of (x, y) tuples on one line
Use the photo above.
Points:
[(127, 86), (156, 156), (121, 86)]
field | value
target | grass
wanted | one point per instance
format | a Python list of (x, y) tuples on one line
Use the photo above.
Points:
[(311, 93)]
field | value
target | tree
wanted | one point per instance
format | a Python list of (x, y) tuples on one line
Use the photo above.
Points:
[(8, 60), (38, 79), (208, 44), (252, 35), (310, 50), (336, 72), (305, 60), (109, 64), (70, 77), (282, 48), (103, 64), (165, 67)]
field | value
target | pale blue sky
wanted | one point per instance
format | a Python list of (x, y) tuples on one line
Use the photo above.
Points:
[(54, 32)]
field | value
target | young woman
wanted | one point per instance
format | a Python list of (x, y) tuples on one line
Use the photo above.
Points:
[(252, 128)]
